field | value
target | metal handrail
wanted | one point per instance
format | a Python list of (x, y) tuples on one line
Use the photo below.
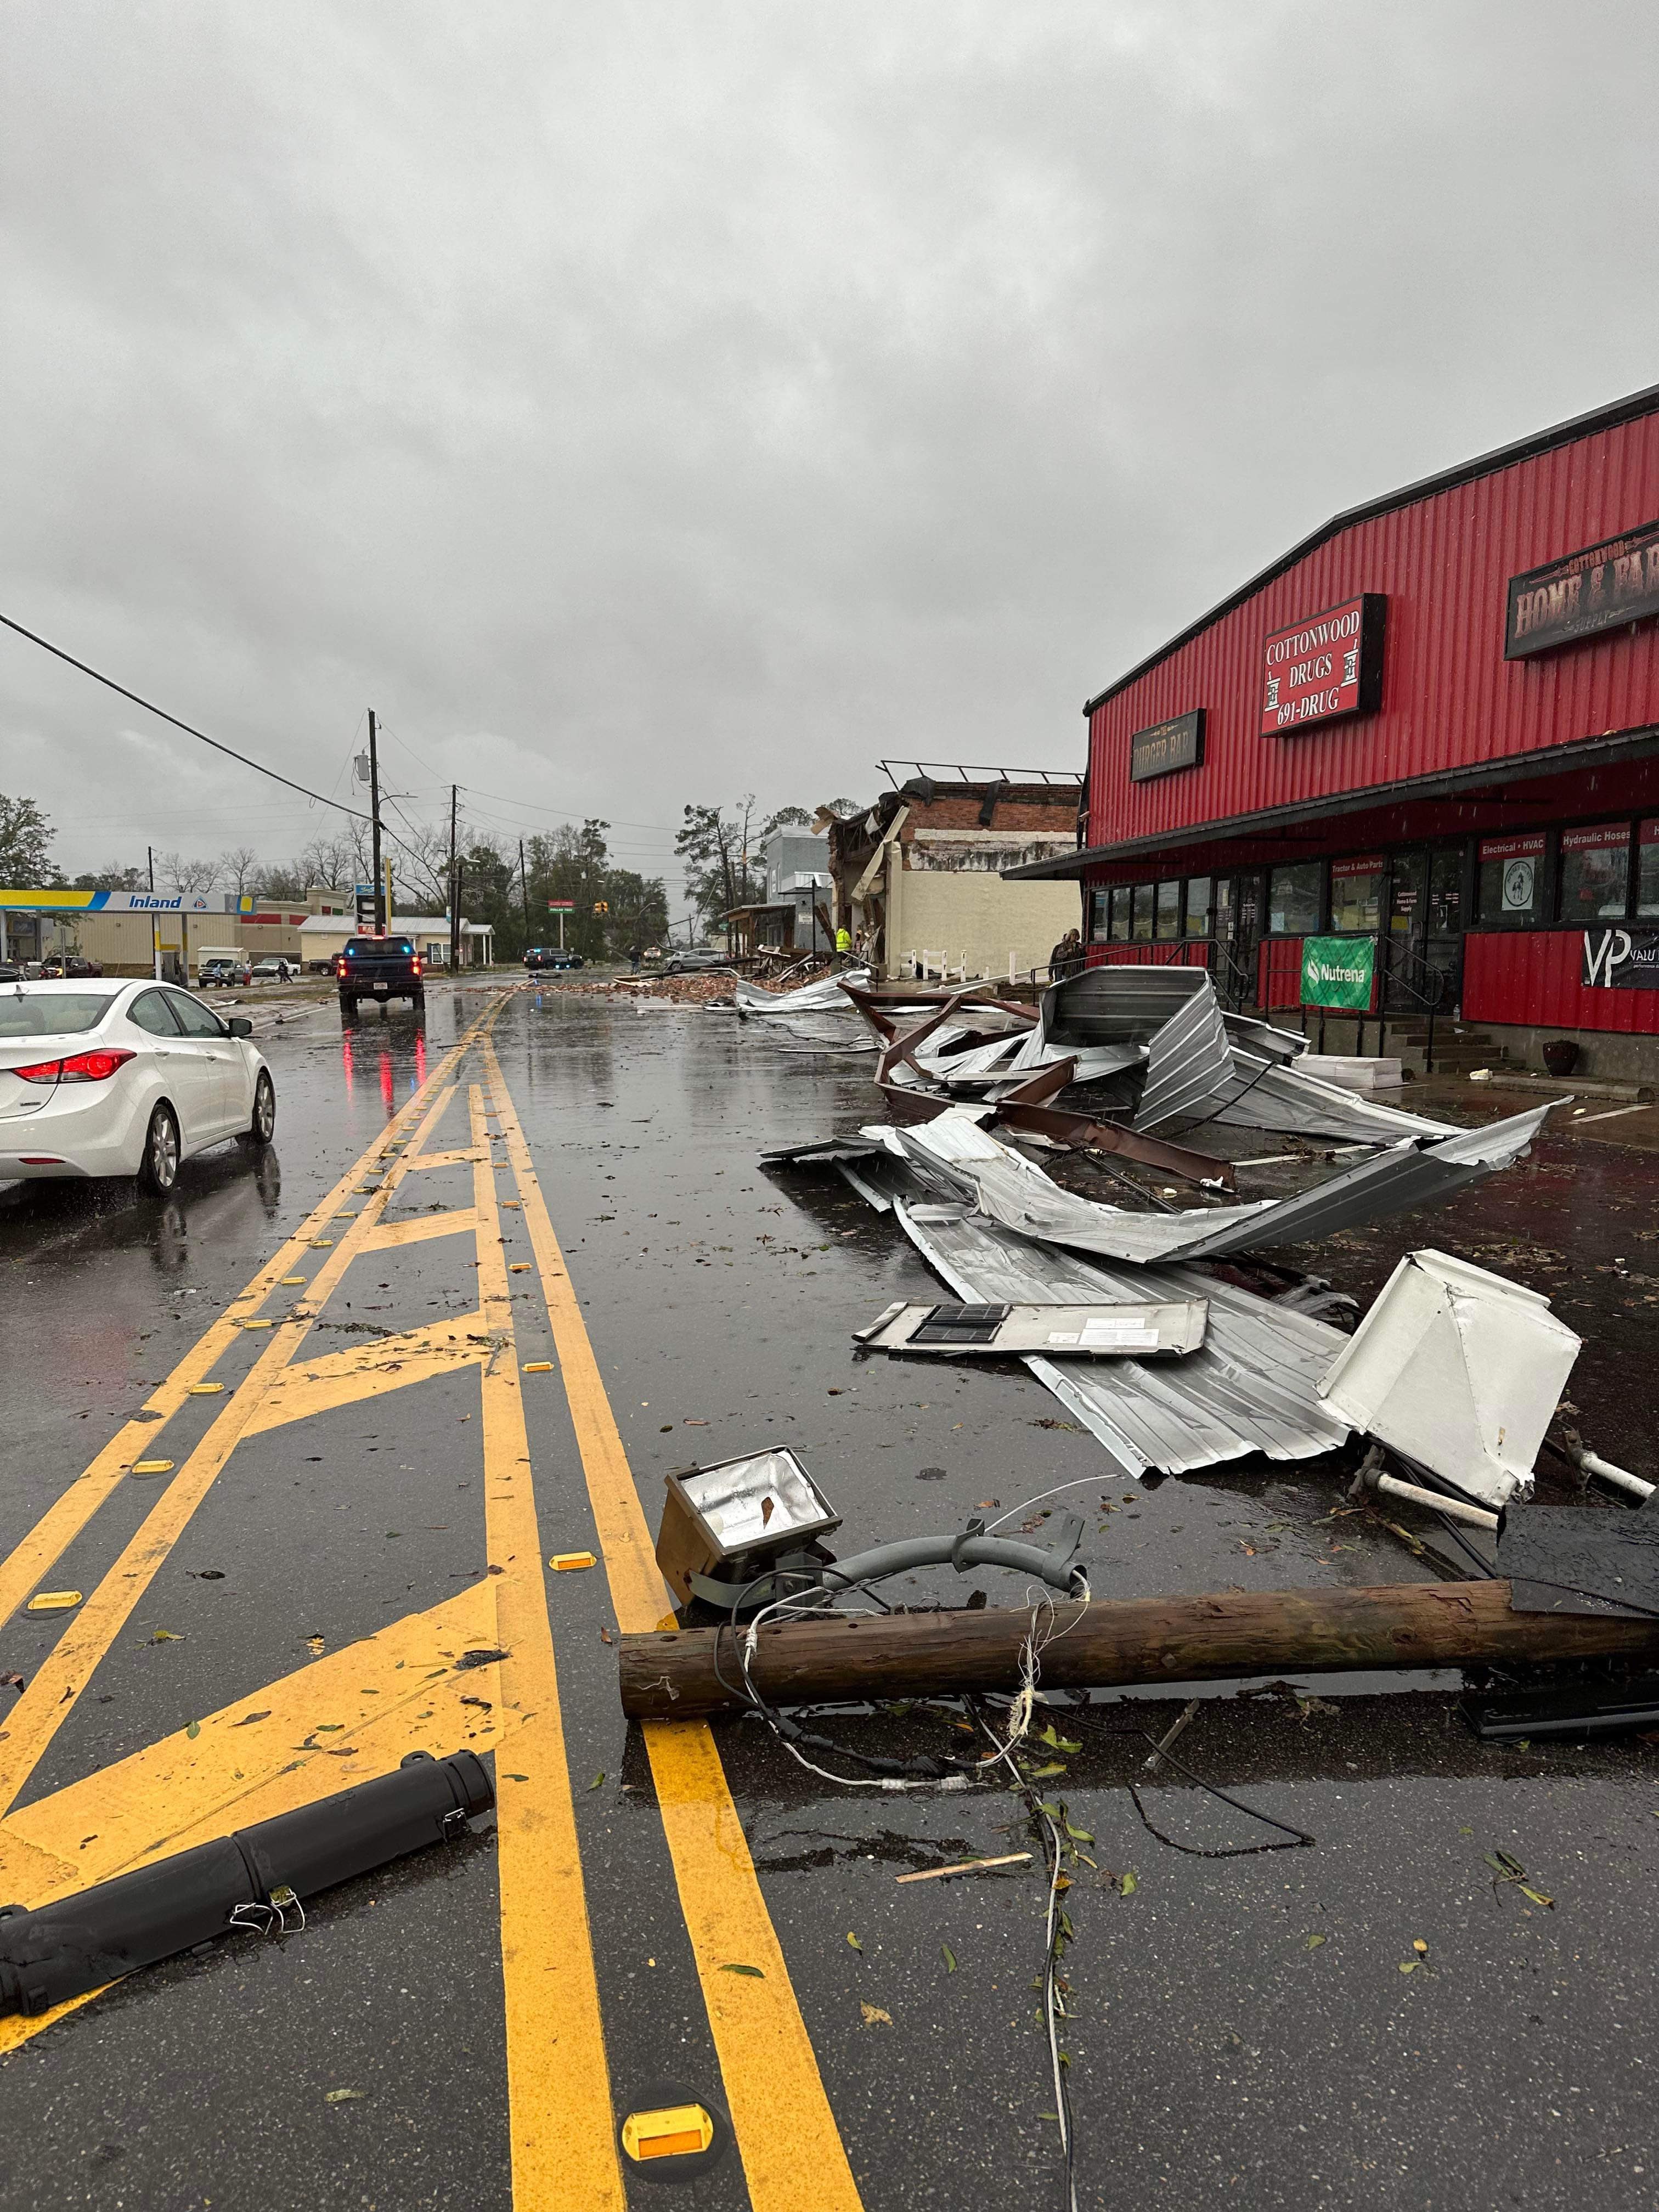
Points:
[(1231, 977), (1427, 990)]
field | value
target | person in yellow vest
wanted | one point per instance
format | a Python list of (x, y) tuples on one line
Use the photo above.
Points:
[(843, 943)]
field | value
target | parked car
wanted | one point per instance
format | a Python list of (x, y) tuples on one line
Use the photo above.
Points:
[(694, 963), (121, 1079), (380, 968), (69, 965), (223, 970), (274, 970), (8, 974), (551, 956)]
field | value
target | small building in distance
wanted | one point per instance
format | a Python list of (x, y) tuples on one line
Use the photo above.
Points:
[(123, 931), (322, 936), (917, 876), (794, 913)]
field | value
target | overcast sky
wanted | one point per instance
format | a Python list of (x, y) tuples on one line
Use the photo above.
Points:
[(640, 404)]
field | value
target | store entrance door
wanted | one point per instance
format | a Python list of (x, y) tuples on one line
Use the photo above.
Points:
[(1238, 908), (1422, 931)]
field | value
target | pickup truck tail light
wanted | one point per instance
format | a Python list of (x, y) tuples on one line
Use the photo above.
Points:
[(96, 1066), (417, 964)]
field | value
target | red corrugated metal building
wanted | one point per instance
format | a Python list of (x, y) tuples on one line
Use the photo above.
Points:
[(1431, 733)]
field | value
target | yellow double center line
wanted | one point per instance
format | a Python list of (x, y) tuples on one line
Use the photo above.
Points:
[(792, 2155)]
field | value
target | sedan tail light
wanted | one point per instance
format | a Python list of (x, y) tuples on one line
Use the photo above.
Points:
[(96, 1066)]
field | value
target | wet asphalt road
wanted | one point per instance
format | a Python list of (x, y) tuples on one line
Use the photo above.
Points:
[(1241, 2030)]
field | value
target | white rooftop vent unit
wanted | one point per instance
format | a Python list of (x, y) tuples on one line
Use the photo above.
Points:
[(1457, 1370)]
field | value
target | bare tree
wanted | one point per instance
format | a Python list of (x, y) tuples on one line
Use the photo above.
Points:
[(240, 870), (333, 861), (186, 879), (420, 858)]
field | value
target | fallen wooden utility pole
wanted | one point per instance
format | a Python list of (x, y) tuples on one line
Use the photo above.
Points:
[(1113, 1643)]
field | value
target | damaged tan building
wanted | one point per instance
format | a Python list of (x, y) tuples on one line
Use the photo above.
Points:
[(918, 875)]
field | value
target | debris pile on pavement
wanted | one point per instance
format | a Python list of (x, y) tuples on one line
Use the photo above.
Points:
[(700, 990)]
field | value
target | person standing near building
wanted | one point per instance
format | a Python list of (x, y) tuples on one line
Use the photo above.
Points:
[(843, 943), (1066, 958)]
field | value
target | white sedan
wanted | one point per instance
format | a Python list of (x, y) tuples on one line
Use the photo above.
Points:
[(120, 1079)]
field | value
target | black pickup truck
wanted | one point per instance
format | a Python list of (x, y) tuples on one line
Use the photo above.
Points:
[(379, 968)]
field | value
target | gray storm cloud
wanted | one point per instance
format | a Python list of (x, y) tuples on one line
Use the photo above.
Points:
[(641, 403)]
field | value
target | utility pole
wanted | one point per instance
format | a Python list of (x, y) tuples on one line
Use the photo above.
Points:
[(154, 926), (380, 916), (455, 885), (524, 885)]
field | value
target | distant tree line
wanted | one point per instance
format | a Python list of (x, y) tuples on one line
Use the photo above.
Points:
[(613, 908)]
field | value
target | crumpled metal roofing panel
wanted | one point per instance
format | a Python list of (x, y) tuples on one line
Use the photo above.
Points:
[(1250, 1388), (1264, 1094), (1113, 1005), (1190, 1062), (1010, 1189), (823, 994)]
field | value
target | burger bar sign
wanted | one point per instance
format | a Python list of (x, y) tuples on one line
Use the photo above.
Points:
[(1324, 666)]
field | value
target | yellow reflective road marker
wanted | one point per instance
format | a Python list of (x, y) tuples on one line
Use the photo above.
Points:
[(793, 2156), (558, 2081), (56, 1602), (152, 1467), (208, 1389), (671, 2131), (565, 1563), (538, 1367)]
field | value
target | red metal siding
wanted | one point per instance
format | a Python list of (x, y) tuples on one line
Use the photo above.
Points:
[(1278, 972), (1448, 696), (1532, 977), (1192, 953)]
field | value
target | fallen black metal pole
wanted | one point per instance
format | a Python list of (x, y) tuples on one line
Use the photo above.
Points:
[(682, 1673), (253, 1879)]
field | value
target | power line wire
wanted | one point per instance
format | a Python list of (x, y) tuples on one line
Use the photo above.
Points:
[(189, 729)]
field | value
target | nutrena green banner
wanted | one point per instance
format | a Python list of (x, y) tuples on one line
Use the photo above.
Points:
[(1337, 971)]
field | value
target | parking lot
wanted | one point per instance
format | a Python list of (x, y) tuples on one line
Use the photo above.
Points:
[(513, 1263)]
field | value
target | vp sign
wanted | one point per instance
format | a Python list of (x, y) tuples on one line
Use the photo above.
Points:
[(1621, 960)]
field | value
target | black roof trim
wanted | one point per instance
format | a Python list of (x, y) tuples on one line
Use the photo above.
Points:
[(1502, 457), (1549, 760)]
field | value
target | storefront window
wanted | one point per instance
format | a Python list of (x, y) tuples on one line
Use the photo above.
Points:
[(1097, 916), (1120, 922), (1198, 906), (1595, 873), (1169, 909), (1141, 928), (1647, 867), (1293, 900), (1356, 892), (1512, 879)]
